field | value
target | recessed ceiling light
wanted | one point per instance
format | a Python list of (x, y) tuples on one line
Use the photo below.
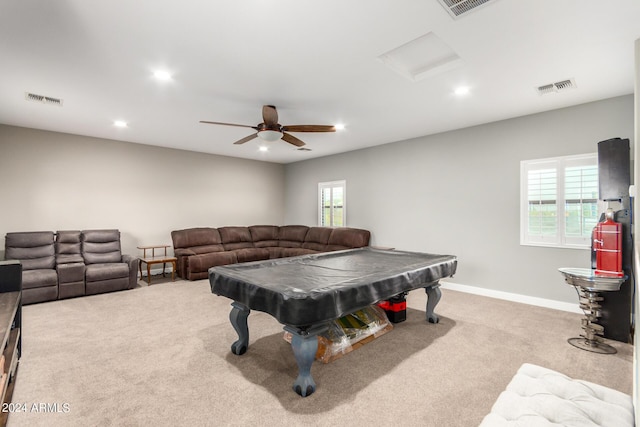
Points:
[(462, 90), (263, 148), (162, 75), (339, 126), (120, 124)]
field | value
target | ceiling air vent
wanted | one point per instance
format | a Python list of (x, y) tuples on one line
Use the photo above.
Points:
[(560, 86), (457, 8), (42, 99)]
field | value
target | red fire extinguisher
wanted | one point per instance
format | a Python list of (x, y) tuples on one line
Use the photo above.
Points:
[(607, 243)]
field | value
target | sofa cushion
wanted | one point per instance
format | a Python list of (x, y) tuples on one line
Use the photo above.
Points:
[(235, 238), (199, 236), (317, 238), (264, 235), (70, 272), (292, 236), (68, 239), (251, 254), (111, 270), (69, 259), (35, 249), (109, 285), (43, 294), (275, 252), (100, 253), (29, 239), (202, 263), (287, 252), (39, 278), (205, 249), (68, 247), (101, 246), (348, 238)]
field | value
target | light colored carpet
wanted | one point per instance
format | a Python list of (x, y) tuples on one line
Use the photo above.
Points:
[(160, 356)]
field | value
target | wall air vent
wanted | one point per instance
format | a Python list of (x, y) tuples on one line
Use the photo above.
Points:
[(457, 8), (560, 86), (42, 99)]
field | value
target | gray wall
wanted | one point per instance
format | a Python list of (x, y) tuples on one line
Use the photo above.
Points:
[(459, 192), (455, 192), (55, 181)]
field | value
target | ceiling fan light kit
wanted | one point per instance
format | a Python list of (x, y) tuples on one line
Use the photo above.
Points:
[(270, 135), (270, 130)]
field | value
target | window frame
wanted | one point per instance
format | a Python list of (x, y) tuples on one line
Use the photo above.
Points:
[(331, 185), (560, 165)]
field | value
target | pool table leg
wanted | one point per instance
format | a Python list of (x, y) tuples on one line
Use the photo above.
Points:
[(304, 344), (433, 297), (238, 317)]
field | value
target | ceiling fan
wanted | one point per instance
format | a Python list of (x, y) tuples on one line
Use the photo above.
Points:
[(271, 130)]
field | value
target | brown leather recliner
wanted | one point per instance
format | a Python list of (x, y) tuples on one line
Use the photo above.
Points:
[(202, 246), (36, 252), (107, 269)]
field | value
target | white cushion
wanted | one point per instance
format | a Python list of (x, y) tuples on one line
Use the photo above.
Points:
[(538, 396)]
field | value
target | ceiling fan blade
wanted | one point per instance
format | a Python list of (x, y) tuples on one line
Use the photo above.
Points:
[(246, 139), (269, 115), (309, 128), (292, 140), (228, 124)]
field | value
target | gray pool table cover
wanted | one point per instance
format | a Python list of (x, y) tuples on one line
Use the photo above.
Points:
[(311, 289)]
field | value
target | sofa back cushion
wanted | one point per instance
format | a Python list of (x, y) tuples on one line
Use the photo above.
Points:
[(34, 249), (199, 236), (317, 238), (292, 236), (68, 246), (264, 236), (235, 238), (101, 246), (348, 238)]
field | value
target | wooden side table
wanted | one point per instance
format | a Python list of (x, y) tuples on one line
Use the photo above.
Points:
[(156, 259)]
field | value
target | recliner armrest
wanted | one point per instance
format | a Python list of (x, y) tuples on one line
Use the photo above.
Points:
[(133, 263), (131, 260)]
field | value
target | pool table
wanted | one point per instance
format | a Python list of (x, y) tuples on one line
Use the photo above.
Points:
[(306, 292)]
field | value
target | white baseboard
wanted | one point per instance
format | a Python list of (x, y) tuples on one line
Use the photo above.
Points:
[(491, 293), (525, 299)]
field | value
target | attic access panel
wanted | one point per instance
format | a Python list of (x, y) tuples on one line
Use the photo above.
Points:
[(422, 57)]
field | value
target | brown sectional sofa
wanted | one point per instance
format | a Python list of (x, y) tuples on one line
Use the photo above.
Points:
[(198, 249)]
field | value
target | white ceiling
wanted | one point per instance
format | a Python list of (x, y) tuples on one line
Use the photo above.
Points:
[(316, 61)]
